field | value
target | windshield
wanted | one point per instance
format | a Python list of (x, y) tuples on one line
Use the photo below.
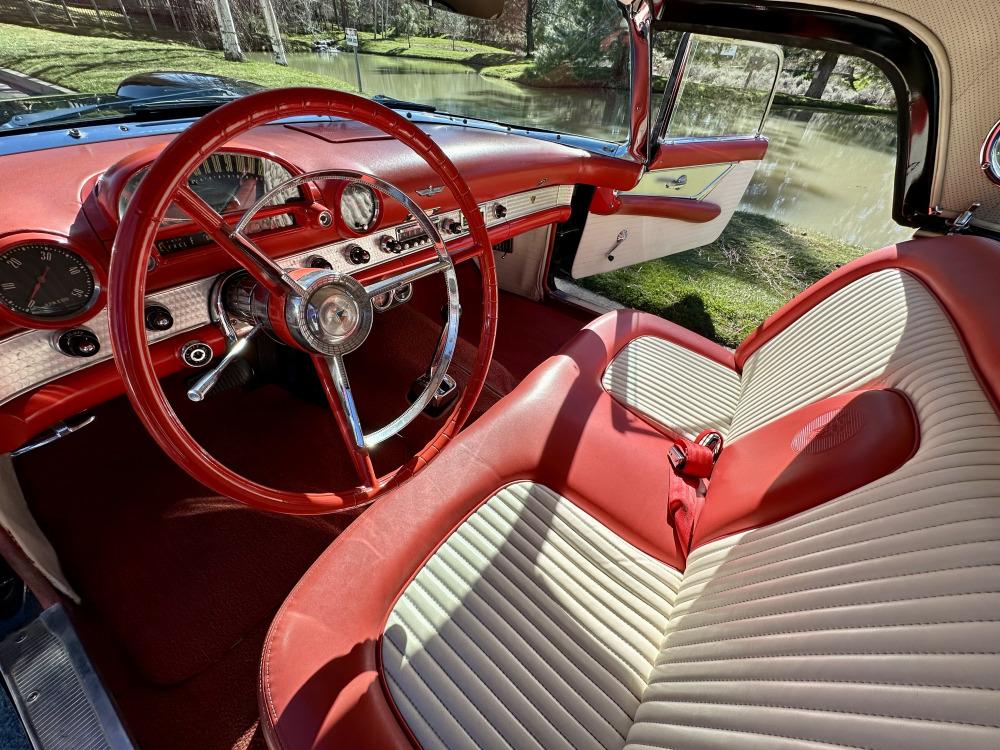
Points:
[(560, 65)]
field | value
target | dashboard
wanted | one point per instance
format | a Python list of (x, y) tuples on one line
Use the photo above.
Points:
[(63, 204), (42, 355)]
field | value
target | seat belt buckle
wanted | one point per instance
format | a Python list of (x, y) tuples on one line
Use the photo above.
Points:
[(713, 440), (677, 457)]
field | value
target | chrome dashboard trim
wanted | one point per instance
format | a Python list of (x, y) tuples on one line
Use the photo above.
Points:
[(27, 360)]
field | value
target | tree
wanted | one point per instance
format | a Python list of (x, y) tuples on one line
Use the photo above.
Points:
[(407, 20), (227, 32), (529, 28), (822, 76), (588, 43)]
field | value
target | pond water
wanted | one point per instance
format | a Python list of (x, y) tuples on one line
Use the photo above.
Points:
[(829, 172)]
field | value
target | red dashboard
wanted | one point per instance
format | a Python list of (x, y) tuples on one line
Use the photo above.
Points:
[(68, 199)]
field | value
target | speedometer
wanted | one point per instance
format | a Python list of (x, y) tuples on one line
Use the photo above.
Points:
[(46, 281), (227, 181)]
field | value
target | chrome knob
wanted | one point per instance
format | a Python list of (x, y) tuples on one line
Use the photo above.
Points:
[(389, 245), (158, 318), (358, 255), (78, 342)]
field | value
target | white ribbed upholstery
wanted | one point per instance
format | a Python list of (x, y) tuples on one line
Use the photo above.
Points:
[(872, 621), (673, 386), (864, 333), (533, 626)]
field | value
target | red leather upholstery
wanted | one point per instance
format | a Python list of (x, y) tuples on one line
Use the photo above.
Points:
[(814, 454), (320, 684), (319, 674)]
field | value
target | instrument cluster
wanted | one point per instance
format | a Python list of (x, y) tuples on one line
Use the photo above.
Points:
[(48, 282)]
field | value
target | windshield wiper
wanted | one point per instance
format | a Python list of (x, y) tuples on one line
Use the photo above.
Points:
[(393, 103), (206, 103), (122, 107)]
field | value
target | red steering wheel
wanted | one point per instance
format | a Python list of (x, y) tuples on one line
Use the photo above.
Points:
[(323, 313)]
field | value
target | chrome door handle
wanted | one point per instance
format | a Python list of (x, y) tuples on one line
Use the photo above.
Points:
[(678, 181), (622, 236)]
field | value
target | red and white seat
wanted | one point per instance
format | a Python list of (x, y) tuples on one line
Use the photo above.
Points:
[(843, 590)]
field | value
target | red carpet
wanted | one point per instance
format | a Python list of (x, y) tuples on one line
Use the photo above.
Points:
[(178, 585)]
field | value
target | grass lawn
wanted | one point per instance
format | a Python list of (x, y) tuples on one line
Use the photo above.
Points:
[(96, 64), (726, 289)]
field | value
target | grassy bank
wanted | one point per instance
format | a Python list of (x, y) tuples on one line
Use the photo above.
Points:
[(96, 64), (726, 289), (525, 73), (443, 49)]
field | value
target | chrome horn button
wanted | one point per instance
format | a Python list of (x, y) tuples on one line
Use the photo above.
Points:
[(333, 314), (333, 317)]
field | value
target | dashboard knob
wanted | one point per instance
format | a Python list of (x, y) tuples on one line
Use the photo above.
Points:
[(196, 354), (451, 226), (389, 245), (78, 342), (500, 210), (318, 261), (358, 255), (158, 318)]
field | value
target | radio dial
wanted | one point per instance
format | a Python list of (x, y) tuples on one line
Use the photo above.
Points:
[(358, 255), (390, 245)]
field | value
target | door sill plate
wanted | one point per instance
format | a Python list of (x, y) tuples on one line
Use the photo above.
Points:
[(56, 691)]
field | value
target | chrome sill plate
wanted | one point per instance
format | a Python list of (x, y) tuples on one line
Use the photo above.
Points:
[(56, 692)]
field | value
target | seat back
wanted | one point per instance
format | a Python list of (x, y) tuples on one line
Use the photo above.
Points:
[(872, 620)]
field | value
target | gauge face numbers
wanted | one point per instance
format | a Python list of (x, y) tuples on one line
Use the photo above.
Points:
[(358, 207), (45, 281)]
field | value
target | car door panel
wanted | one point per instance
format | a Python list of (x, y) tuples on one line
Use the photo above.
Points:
[(707, 151), (622, 239)]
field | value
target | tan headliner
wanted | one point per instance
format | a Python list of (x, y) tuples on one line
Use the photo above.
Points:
[(964, 37)]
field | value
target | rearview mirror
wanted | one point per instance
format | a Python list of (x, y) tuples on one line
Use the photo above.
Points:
[(474, 8)]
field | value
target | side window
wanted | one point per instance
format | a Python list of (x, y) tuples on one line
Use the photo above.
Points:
[(726, 90)]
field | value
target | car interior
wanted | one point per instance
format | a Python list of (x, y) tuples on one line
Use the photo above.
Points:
[(312, 445)]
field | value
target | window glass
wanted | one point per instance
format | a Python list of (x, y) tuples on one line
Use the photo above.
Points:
[(726, 89)]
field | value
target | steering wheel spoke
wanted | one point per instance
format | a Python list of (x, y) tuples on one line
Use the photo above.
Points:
[(239, 247), (333, 377), (392, 283)]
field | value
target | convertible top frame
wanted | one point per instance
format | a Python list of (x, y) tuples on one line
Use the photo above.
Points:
[(904, 58)]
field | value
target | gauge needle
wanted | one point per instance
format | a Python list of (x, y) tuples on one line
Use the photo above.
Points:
[(38, 285)]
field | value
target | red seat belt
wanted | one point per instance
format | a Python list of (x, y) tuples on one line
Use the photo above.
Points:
[(692, 462)]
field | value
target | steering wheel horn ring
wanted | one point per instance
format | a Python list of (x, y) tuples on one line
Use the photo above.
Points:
[(324, 313)]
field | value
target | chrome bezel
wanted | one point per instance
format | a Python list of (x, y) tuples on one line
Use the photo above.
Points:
[(297, 311), (376, 207), (989, 156)]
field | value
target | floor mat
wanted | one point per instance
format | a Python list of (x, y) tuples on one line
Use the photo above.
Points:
[(528, 332)]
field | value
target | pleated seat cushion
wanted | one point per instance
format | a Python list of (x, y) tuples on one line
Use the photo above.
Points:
[(679, 389), (871, 621), (532, 626)]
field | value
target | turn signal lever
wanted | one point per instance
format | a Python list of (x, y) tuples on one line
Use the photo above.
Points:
[(206, 382), (236, 344)]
